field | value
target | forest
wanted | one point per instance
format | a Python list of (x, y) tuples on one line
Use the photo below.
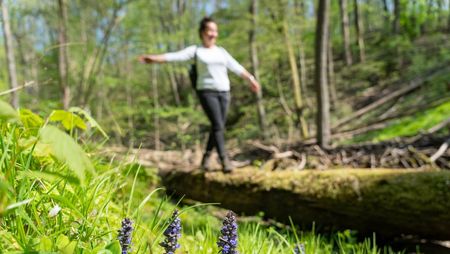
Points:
[(344, 148)]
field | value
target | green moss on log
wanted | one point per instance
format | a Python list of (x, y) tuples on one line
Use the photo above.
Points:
[(389, 202)]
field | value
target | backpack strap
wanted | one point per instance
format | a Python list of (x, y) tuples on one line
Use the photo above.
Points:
[(195, 56)]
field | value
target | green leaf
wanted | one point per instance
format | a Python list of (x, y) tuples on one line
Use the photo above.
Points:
[(45, 244), (64, 245), (104, 252), (62, 241), (68, 119), (66, 150), (70, 248), (89, 118), (114, 247), (4, 189), (7, 113), (50, 177), (29, 119)]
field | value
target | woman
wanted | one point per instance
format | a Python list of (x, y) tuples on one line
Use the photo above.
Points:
[(213, 85)]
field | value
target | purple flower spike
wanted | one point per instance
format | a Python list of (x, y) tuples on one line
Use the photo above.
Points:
[(229, 239), (172, 234), (125, 235), (299, 249)]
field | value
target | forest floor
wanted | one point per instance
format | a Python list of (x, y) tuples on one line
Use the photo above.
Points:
[(421, 152)]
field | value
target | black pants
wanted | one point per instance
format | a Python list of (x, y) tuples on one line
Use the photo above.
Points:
[(215, 104)]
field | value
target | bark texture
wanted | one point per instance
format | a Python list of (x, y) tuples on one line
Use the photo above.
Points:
[(388, 202)]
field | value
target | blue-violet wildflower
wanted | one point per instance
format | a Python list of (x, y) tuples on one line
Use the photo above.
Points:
[(299, 249), (229, 237), (125, 235), (172, 234)]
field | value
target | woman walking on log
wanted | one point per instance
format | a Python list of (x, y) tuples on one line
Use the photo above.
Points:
[(211, 83)]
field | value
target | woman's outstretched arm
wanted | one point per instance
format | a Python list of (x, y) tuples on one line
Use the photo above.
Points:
[(152, 59), (179, 56)]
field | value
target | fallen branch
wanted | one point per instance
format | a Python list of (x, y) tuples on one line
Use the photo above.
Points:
[(27, 84), (414, 84), (440, 151), (439, 126)]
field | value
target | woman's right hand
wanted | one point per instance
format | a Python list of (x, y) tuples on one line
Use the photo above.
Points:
[(148, 59)]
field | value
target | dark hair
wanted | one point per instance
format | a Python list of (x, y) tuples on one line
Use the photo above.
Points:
[(203, 23)]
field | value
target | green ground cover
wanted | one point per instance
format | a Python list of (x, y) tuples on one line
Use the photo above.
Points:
[(57, 197)]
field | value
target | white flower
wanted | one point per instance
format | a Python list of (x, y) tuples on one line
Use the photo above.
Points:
[(55, 210)]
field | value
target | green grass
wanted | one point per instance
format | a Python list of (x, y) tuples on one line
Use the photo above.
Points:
[(33, 183)]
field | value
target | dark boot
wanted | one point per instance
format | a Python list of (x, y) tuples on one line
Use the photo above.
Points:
[(227, 165), (206, 162)]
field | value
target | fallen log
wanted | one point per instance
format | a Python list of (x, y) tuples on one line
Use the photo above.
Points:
[(388, 202)]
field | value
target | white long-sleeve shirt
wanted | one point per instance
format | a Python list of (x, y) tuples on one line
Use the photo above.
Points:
[(212, 66)]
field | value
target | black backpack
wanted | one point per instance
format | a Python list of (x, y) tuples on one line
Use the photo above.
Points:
[(193, 75)]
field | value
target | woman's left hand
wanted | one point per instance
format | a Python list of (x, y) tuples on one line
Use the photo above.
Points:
[(254, 85)]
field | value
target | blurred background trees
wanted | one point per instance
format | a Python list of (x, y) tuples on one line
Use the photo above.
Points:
[(83, 53)]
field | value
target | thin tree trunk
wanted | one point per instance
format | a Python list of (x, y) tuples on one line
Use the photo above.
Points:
[(156, 106), (387, 14), (345, 29), (415, 12), (255, 64), (129, 95), (173, 85), (441, 16), (95, 61), (284, 105), (63, 62), (367, 17), (397, 10), (323, 100), (300, 11), (331, 77), (303, 73), (359, 32), (175, 79), (295, 82), (448, 16), (284, 30), (9, 49)]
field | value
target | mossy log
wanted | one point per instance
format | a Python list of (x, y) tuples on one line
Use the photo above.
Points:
[(388, 202)]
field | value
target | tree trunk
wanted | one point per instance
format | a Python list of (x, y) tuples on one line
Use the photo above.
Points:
[(300, 11), (284, 104), (321, 83), (345, 31), (173, 85), (255, 63), (9, 49), (387, 14), (63, 62), (359, 32), (295, 82), (95, 61), (441, 14), (448, 17), (384, 201), (154, 79), (397, 10), (129, 93), (331, 79)]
